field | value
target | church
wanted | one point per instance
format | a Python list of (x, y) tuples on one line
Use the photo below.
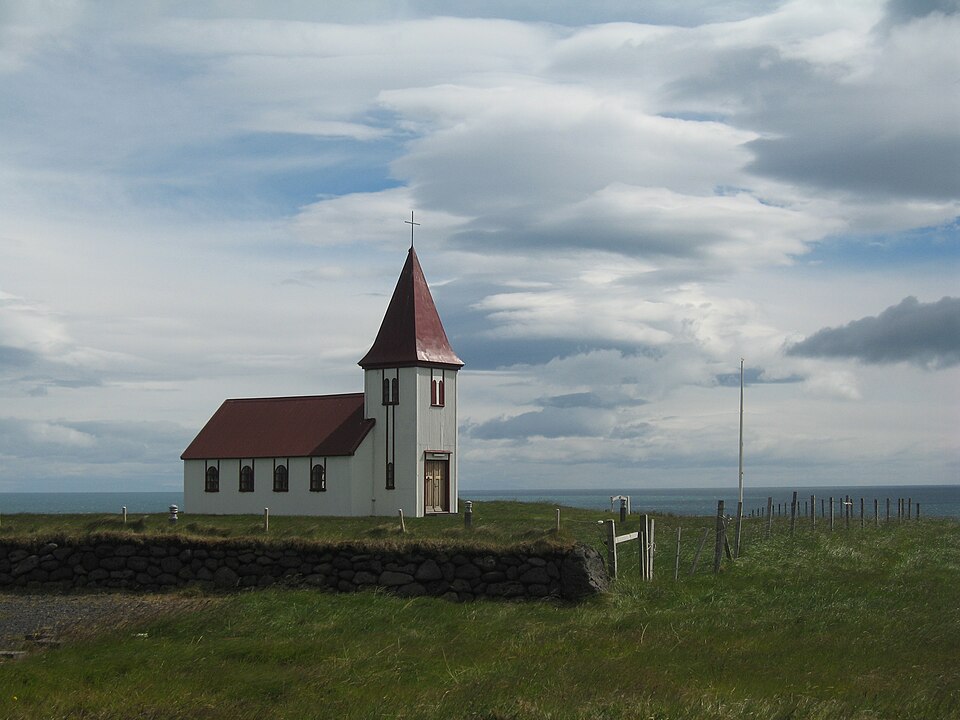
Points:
[(392, 447)]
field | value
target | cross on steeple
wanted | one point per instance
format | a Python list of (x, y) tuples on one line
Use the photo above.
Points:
[(411, 223)]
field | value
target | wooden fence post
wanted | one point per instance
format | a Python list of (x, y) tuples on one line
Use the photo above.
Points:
[(876, 513), (793, 512), (769, 514), (813, 512), (861, 513), (918, 511), (676, 567), (909, 508), (888, 510), (612, 549), (652, 547), (831, 513), (718, 549), (696, 556)]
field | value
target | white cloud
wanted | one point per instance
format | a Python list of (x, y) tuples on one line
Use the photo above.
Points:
[(618, 202)]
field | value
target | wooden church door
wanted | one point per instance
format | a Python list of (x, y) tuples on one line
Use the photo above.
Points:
[(436, 486)]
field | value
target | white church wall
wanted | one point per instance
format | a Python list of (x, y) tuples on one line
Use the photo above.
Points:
[(344, 477)]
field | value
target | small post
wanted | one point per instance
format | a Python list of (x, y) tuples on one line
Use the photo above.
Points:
[(468, 516), (623, 509), (403, 525), (266, 519), (769, 514), (813, 512), (718, 549), (123, 511), (696, 557), (909, 508), (558, 520), (611, 549), (823, 508), (651, 546), (876, 513), (888, 510), (918, 511), (793, 512), (643, 556), (676, 567), (736, 539), (173, 514), (861, 513), (831, 513), (846, 514)]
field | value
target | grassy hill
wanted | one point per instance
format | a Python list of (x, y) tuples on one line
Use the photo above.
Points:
[(851, 624)]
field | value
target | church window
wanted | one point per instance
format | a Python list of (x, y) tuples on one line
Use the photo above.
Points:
[(280, 479), (390, 479), (318, 478), (391, 391), (246, 479), (436, 391), (212, 483)]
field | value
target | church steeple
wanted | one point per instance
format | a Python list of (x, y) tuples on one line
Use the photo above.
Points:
[(411, 333)]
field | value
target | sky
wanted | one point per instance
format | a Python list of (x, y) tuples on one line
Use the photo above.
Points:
[(618, 201)]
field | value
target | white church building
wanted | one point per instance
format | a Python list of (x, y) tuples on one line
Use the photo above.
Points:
[(391, 447)]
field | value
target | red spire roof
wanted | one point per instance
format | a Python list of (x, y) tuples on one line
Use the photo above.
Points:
[(411, 332)]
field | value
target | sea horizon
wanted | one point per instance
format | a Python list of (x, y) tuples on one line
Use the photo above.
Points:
[(938, 500)]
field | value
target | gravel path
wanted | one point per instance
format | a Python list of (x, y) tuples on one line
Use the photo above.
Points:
[(29, 621)]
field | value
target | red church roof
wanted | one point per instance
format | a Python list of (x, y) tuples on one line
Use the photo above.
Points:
[(411, 332), (320, 425)]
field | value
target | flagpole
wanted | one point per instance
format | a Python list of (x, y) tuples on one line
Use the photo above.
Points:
[(736, 545), (740, 475)]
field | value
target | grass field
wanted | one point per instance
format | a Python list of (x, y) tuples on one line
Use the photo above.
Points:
[(851, 624)]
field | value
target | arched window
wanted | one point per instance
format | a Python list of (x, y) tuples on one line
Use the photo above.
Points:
[(213, 480), (246, 479), (318, 478), (280, 483)]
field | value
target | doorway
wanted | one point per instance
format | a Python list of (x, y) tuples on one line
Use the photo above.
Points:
[(436, 486)]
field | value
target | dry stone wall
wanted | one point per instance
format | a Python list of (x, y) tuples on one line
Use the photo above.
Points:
[(151, 565)]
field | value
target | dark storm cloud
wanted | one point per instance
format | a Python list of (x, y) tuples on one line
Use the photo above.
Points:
[(754, 376), (903, 11), (864, 139), (13, 357), (92, 442), (907, 164), (926, 334), (587, 400)]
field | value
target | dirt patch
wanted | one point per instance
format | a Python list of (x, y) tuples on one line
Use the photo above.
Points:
[(31, 621)]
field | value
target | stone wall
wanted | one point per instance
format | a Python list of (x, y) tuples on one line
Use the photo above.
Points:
[(158, 564)]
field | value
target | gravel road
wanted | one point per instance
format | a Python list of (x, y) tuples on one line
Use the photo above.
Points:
[(28, 621)]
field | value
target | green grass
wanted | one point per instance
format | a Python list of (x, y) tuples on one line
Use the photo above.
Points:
[(494, 524), (853, 624)]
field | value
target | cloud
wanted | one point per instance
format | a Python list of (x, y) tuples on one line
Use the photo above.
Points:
[(925, 334)]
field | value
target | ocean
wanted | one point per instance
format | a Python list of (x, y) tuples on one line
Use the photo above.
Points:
[(935, 500)]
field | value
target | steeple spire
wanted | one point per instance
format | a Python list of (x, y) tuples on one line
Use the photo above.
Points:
[(411, 332)]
